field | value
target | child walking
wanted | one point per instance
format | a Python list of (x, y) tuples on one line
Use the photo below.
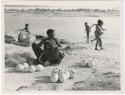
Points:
[(98, 33)]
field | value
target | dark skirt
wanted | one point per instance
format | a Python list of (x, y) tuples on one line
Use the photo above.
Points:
[(53, 55)]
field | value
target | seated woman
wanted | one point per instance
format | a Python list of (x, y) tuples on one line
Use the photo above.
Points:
[(50, 55)]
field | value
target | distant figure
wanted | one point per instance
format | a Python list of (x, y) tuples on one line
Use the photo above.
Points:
[(26, 28), (87, 30), (24, 36), (98, 33), (50, 54)]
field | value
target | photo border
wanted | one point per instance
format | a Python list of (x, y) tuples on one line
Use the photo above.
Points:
[(64, 92)]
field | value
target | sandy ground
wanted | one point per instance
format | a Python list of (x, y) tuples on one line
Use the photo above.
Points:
[(104, 76)]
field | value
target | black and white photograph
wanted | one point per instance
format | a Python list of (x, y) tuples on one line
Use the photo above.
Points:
[(69, 46)]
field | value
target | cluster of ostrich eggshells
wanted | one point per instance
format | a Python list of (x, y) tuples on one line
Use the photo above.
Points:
[(90, 62), (61, 75), (27, 67)]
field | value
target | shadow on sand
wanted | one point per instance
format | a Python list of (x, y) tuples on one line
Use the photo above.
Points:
[(14, 71), (78, 65), (43, 79)]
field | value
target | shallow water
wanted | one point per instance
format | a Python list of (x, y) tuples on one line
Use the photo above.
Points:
[(71, 28)]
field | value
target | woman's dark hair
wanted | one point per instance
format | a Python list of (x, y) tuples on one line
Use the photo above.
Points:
[(49, 31), (100, 21)]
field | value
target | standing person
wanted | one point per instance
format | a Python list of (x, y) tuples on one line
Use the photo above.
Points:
[(87, 30), (24, 36), (26, 28), (98, 33), (50, 54)]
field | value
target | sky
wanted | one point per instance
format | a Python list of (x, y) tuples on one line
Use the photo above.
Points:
[(65, 4)]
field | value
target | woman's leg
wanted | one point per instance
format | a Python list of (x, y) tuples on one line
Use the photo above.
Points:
[(37, 50), (59, 59)]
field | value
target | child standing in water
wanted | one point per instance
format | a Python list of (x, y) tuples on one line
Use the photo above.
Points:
[(98, 33), (87, 30)]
